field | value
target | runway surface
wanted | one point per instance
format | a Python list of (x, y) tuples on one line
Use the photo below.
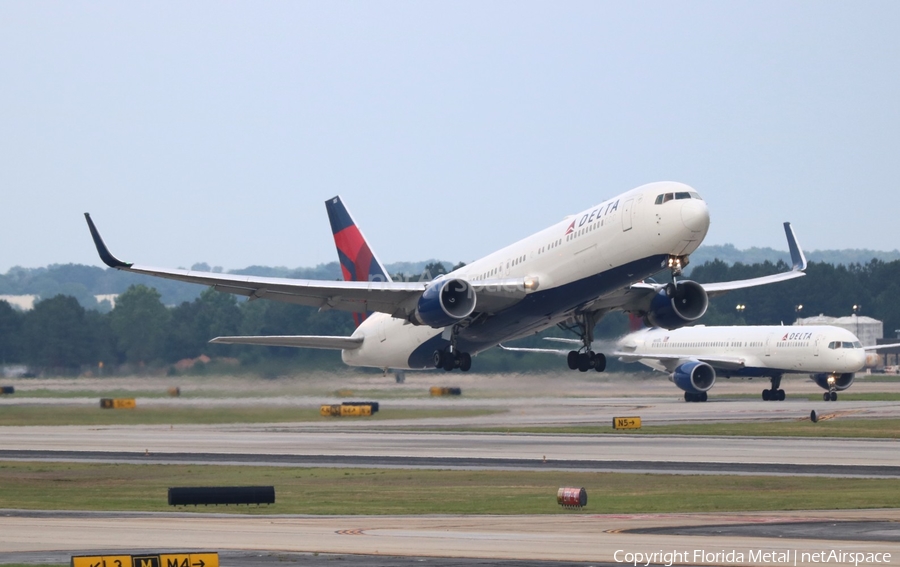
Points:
[(458, 463), (576, 537), (453, 447)]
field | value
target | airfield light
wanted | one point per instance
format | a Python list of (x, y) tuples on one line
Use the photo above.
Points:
[(740, 308)]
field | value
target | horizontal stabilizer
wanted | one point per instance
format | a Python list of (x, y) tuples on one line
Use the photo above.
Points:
[(296, 341)]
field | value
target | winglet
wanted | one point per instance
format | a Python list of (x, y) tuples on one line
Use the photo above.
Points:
[(798, 258), (104, 252)]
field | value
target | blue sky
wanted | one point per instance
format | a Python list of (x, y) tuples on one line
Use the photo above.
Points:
[(214, 131)]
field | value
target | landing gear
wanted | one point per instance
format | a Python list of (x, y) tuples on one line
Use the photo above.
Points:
[(775, 394), (585, 359), (451, 357), (830, 396), (691, 397)]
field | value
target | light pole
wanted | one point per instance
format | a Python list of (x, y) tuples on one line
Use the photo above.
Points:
[(740, 311), (798, 310), (856, 310)]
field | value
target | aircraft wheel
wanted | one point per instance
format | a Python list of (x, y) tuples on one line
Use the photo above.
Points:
[(572, 359), (438, 359), (449, 361), (765, 395), (781, 395), (688, 397), (826, 396), (584, 362), (465, 361), (703, 396), (833, 396), (599, 362)]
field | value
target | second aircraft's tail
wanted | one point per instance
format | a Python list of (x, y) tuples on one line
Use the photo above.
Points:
[(358, 261)]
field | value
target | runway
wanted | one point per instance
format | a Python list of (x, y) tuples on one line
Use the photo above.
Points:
[(589, 538), (300, 440)]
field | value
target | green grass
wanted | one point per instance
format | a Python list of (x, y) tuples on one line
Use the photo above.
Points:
[(826, 427), (76, 486), (84, 415)]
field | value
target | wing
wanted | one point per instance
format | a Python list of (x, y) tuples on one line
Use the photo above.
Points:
[(538, 350), (297, 341), (723, 362), (878, 347), (398, 299)]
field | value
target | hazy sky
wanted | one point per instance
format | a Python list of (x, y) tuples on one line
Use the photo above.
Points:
[(214, 131)]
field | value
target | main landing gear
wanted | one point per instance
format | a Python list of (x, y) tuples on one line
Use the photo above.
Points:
[(830, 396), (585, 359), (698, 397), (451, 357), (775, 394)]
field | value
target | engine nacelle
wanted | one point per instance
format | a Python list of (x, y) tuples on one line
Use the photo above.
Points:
[(694, 377), (677, 305), (834, 381), (445, 302)]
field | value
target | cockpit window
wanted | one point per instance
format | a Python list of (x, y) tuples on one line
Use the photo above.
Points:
[(834, 344), (666, 197), (857, 344), (847, 344)]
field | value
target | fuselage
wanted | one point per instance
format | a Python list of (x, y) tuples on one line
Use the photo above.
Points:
[(578, 260), (762, 350)]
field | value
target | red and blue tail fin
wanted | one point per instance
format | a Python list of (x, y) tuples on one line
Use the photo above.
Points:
[(358, 261)]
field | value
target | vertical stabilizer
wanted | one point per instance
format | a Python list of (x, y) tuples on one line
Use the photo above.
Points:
[(358, 261)]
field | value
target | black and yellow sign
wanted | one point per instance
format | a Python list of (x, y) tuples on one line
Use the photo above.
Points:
[(161, 560), (118, 403), (626, 423)]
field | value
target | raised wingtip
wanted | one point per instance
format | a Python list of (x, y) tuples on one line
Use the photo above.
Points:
[(798, 258), (104, 252)]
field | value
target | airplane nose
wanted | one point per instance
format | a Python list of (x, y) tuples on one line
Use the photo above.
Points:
[(695, 215)]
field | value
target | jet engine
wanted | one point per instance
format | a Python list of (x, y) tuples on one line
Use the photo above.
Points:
[(444, 303), (676, 305), (834, 381), (694, 377)]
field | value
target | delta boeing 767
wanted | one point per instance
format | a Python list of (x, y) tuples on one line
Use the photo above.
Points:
[(570, 274)]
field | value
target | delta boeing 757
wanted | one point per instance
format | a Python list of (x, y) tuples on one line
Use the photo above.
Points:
[(694, 356), (570, 274)]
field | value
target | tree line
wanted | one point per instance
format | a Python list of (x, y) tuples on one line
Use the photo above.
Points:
[(60, 335)]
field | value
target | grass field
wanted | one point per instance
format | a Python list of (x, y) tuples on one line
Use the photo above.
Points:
[(86, 415), (79, 486), (828, 426)]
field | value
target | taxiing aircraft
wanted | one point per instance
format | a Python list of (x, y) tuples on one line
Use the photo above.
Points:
[(569, 274), (694, 356)]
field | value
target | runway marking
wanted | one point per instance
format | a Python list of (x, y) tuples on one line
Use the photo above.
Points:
[(351, 532)]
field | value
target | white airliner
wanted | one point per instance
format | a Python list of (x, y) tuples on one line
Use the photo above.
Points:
[(569, 274), (694, 356)]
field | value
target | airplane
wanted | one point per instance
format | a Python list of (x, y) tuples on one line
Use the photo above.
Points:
[(694, 356), (570, 274)]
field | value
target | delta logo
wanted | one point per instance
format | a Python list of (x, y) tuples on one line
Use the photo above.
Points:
[(571, 229)]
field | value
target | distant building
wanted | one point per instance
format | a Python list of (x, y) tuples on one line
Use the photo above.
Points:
[(867, 329)]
